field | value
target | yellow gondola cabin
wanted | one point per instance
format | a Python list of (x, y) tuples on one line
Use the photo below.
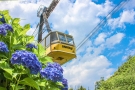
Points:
[(59, 46)]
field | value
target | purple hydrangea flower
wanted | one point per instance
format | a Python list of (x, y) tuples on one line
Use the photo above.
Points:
[(65, 84), (30, 45), (3, 31), (52, 72), (3, 47), (2, 19), (28, 59), (8, 27)]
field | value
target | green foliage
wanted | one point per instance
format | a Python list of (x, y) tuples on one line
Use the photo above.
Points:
[(16, 77), (81, 88), (123, 78)]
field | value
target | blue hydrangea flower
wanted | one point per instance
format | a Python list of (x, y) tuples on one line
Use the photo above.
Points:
[(2, 19), (3, 47), (52, 72), (55, 65), (3, 31), (8, 27), (4, 28), (65, 84), (28, 59), (30, 45)]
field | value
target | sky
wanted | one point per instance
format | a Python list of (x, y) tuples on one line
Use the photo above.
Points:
[(104, 52)]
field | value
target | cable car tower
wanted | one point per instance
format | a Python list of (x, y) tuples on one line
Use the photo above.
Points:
[(59, 46)]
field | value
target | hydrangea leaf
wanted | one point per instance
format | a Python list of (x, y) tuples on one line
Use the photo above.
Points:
[(3, 56), (1, 22), (16, 21), (30, 82), (27, 26), (41, 84), (25, 29), (18, 87), (30, 38), (8, 70), (17, 29), (35, 51), (5, 12), (12, 86), (59, 84), (2, 88), (45, 59), (41, 50), (4, 65), (14, 75), (18, 47), (15, 41), (7, 75), (7, 17)]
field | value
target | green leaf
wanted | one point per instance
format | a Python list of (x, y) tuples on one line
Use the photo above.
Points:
[(12, 86), (18, 47), (60, 84), (16, 21), (25, 29), (41, 50), (30, 39), (41, 84), (14, 75), (21, 87), (29, 82), (17, 87), (3, 88), (5, 66), (35, 51), (45, 59), (7, 75), (8, 17), (15, 41), (27, 26), (3, 56), (5, 12), (0, 16), (8, 70)]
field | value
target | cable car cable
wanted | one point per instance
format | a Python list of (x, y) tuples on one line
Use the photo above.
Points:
[(116, 8), (41, 32), (102, 23)]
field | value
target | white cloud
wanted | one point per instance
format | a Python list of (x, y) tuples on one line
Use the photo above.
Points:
[(88, 68), (127, 16), (23, 11), (100, 39), (116, 53), (86, 73), (130, 4), (26, 12), (132, 42), (79, 19), (128, 52), (115, 39)]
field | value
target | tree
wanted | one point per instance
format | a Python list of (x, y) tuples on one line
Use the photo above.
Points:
[(81, 88), (123, 78)]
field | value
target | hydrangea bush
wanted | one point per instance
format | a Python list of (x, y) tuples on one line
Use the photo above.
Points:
[(24, 65)]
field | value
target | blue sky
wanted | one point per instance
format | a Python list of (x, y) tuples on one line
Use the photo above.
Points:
[(104, 52)]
